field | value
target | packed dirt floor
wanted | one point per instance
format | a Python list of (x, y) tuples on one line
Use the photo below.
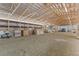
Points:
[(49, 44)]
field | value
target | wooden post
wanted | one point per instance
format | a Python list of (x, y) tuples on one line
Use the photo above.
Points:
[(8, 25)]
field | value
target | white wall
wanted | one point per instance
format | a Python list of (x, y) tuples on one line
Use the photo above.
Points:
[(68, 27)]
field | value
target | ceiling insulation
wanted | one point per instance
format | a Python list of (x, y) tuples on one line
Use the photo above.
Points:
[(41, 13)]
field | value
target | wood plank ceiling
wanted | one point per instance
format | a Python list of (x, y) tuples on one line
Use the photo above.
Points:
[(47, 13)]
